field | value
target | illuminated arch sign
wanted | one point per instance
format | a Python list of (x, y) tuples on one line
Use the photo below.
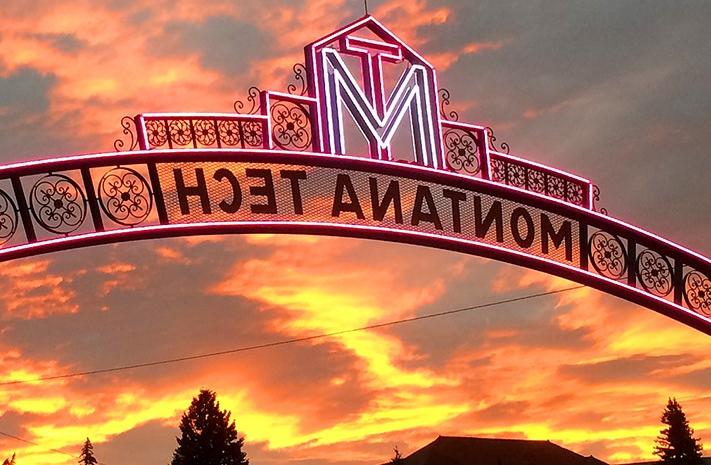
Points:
[(285, 166)]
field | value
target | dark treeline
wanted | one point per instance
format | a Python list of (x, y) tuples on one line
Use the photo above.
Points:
[(208, 436)]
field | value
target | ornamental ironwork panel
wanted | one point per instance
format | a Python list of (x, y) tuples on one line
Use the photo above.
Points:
[(537, 178), (697, 292), (201, 131), (655, 272), (8, 217), (125, 196), (290, 117), (464, 148), (58, 203), (607, 255)]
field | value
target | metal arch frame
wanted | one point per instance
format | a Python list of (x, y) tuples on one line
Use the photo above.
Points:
[(584, 216)]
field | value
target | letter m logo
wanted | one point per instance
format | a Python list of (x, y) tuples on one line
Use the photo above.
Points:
[(336, 88)]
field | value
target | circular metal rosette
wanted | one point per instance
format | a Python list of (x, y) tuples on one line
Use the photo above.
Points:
[(205, 132), (180, 131), (125, 196), (291, 125), (462, 151), (655, 272), (8, 218), (58, 203), (156, 132), (697, 292), (608, 255)]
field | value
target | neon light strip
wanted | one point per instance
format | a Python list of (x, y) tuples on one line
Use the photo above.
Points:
[(286, 96), (460, 125), (231, 116)]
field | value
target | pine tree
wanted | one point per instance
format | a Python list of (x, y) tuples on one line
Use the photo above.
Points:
[(397, 458), (87, 454), (10, 461), (208, 436), (676, 444)]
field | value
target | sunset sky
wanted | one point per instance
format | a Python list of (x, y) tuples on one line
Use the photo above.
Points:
[(617, 91)]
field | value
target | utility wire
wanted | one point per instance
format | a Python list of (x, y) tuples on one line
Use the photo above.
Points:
[(290, 341), (16, 438), (48, 449)]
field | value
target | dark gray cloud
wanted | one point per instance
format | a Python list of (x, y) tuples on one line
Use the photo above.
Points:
[(700, 378), (162, 310), (619, 92), (529, 323), (154, 442), (626, 369), (25, 92), (64, 42), (25, 128), (225, 44)]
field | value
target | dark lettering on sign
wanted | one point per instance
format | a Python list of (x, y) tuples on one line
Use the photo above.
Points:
[(423, 194), (265, 190), (431, 209), (495, 214), (294, 176), (391, 197), (233, 206), (344, 185), (563, 234), (456, 198), (521, 240), (184, 191)]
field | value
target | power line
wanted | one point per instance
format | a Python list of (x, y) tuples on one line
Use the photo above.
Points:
[(17, 438), (48, 449), (289, 341)]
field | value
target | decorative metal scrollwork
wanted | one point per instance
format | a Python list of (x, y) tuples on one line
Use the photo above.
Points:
[(536, 181), (180, 132), (498, 170), (504, 147), (516, 175), (608, 255), (462, 151), (444, 102), (253, 133), (125, 196), (697, 292), (156, 132), (8, 218), (291, 125), (654, 272), (575, 193), (300, 77), (129, 129), (58, 203), (229, 133), (596, 199), (252, 98), (204, 130), (556, 187)]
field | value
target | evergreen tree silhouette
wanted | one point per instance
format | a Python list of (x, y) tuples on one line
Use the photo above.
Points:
[(10, 461), (397, 458), (676, 444), (87, 454), (208, 437)]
